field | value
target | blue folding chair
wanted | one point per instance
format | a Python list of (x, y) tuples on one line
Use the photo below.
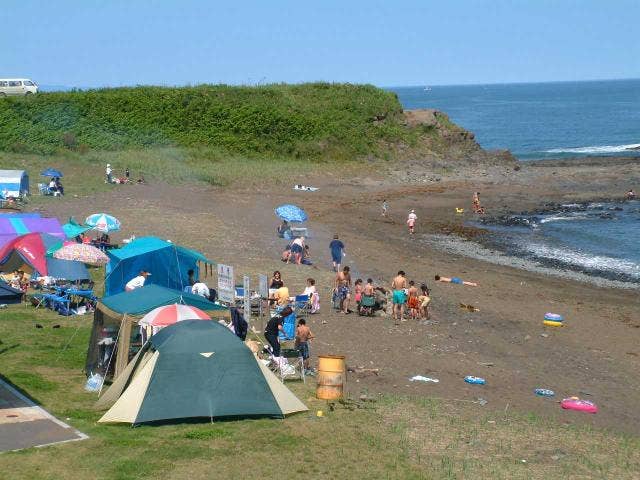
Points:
[(302, 305)]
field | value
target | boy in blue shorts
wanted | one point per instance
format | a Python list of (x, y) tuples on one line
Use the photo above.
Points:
[(303, 336)]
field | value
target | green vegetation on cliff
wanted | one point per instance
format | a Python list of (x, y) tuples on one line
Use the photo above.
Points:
[(317, 120)]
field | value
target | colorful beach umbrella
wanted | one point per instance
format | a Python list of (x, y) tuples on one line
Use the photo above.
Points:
[(103, 222), (51, 172), (170, 314), (291, 213), (81, 252)]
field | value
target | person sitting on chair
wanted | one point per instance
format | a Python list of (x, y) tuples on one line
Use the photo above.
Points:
[(59, 186), (53, 188)]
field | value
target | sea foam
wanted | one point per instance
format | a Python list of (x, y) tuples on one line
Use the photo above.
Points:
[(596, 149)]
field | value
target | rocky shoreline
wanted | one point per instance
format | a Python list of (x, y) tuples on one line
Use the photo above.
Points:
[(493, 247)]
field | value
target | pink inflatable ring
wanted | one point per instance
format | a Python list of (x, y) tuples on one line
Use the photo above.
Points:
[(574, 403)]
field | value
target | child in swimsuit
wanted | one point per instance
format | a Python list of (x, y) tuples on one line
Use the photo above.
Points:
[(424, 300), (412, 300), (358, 289)]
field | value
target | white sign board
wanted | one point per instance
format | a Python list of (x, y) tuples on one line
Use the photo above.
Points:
[(226, 285), (264, 286), (247, 298)]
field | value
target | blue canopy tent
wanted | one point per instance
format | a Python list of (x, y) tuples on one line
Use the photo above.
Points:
[(72, 228), (15, 182), (168, 264)]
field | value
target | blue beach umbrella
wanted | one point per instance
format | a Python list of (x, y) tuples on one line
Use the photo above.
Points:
[(52, 172), (103, 222), (291, 213)]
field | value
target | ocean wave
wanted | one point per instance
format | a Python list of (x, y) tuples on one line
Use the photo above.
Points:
[(596, 149), (583, 260), (559, 218)]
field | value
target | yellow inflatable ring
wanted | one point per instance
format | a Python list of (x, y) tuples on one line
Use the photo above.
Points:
[(551, 323)]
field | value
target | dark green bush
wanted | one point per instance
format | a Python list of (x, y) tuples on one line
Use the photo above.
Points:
[(314, 120)]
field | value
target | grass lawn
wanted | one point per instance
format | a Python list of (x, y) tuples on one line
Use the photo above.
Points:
[(84, 173), (393, 437)]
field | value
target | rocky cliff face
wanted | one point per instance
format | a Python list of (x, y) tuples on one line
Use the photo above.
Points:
[(443, 144)]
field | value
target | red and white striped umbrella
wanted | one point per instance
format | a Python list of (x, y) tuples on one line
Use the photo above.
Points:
[(170, 314)]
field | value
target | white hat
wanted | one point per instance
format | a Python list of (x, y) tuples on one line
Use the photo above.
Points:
[(108, 164)]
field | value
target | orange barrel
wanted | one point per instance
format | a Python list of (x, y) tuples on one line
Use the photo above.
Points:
[(332, 376)]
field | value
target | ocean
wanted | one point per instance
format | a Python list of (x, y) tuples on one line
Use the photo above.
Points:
[(555, 120), (541, 120)]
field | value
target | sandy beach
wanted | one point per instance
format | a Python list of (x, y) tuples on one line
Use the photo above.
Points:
[(594, 356)]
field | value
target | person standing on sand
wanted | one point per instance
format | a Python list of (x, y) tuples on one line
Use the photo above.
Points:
[(413, 304), (424, 300), (385, 207), (411, 221), (337, 252), (343, 289), (108, 171), (398, 287)]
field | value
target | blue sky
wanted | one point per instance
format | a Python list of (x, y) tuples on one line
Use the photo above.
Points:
[(91, 43)]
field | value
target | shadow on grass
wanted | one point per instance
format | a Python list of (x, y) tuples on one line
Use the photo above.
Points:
[(22, 392)]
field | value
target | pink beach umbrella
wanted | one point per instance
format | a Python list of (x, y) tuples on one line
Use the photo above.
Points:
[(170, 314), (80, 252)]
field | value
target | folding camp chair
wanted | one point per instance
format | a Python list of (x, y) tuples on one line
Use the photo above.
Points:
[(295, 360), (302, 305), (43, 188)]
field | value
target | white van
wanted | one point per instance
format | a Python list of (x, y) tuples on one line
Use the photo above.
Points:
[(17, 86)]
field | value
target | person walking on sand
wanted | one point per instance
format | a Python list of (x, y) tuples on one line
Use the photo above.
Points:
[(343, 289), (398, 287), (477, 208), (337, 252), (411, 221), (385, 207)]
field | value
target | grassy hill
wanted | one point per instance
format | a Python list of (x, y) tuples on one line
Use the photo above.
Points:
[(297, 121)]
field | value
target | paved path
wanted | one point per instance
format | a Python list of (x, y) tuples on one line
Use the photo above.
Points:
[(23, 424)]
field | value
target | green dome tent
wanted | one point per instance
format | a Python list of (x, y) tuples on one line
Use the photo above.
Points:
[(196, 369)]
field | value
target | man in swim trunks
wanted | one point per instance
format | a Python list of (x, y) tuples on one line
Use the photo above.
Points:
[(343, 289), (385, 208), (398, 287), (337, 252), (456, 280)]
